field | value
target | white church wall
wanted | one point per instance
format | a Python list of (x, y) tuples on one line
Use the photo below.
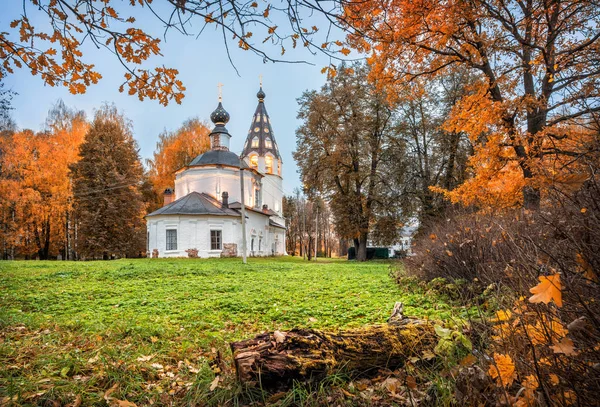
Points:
[(273, 192), (193, 232), (214, 181)]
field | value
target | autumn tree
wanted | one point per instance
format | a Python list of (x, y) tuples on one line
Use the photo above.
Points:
[(36, 189), (175, 150), (537, 77), (106, 185), (340, 146)]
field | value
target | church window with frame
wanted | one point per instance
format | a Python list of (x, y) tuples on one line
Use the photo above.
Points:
[(257, 118), (269, 164), (255, 142), (171, 239), (279, 167), (215, 240), (268, 142), (257, 197)]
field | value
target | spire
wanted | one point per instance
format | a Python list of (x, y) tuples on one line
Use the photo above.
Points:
[(261, 139)]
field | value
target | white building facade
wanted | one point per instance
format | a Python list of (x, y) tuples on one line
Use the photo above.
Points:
[(203, 213)]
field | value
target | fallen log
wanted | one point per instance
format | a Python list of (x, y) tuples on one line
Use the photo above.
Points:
[(276, 359)]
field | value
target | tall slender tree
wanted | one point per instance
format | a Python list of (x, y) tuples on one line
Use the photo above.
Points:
[(106, 184)]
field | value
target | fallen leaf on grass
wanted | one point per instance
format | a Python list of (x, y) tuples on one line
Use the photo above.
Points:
[(215, 383), (145, 358), (94, 359), (122, 403), (312, 319), (111, 391), (157, 366)]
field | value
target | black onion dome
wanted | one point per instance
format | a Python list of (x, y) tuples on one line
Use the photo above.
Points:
[(261, 94), (220, 115)]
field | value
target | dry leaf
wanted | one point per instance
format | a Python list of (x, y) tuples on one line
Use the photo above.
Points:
[(157, 366), (279, 336), (564, 346), (111, 391), (554, 379), (411, 382), (77, 401), (122, 403), (214, 383), (145, 358), (391, 384), (547, 290)]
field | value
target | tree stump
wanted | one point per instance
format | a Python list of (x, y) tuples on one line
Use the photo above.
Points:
[(276, 359)]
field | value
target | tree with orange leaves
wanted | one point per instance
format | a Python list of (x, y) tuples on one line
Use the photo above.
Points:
[(35, 186), (537, 77), (175, 150)]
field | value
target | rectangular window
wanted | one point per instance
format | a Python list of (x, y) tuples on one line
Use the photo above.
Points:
[(171, 239), (215, 240)]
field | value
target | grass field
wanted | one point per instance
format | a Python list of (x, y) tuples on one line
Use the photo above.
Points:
[(154, 331)]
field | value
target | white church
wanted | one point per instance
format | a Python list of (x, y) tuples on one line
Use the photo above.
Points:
[(204, 214)]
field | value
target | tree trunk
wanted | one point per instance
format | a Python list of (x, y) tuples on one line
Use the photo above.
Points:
[(361, 250), (277, 359)]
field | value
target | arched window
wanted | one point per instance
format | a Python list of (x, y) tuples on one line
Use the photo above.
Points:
[(268, 142), (269, 164), (255, 142), (254, 161)]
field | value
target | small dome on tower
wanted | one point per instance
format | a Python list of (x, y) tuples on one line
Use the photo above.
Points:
[(220, 115), (261, 94)]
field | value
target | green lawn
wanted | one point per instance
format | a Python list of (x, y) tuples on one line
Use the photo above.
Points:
[(69, 328)]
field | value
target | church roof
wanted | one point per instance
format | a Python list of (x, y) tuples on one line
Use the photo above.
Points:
[(261, 139), (195, 203), (219, 157)]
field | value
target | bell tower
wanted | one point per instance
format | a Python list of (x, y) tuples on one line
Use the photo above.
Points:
[(261, 153)]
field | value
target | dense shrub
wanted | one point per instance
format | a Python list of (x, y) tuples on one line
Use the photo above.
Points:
[(541, 349)]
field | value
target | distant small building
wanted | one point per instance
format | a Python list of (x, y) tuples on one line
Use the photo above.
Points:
[(203, 214), (403, 247)]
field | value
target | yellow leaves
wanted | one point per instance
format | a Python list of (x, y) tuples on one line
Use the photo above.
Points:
[(345, 51), (266, 12), (549, 289), (503, 370), (565, 346), (502, 315)]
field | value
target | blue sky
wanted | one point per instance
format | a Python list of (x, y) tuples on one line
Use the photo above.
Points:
[(202, 64)]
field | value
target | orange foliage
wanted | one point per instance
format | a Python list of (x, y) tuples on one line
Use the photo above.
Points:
[(35, 185), (36, 49), (176, 150), (534, 97)]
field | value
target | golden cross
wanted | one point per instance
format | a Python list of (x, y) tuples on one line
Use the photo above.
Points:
[(220, 87), (260, 79)]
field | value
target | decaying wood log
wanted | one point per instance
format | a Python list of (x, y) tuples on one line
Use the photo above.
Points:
[(276, 359)]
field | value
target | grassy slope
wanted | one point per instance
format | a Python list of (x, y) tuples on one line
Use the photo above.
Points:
[(56, 316)]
